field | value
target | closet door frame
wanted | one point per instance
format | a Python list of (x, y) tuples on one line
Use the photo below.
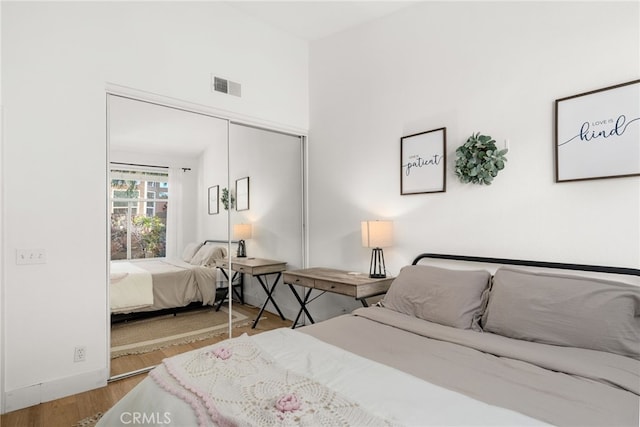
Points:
[(231, 118)]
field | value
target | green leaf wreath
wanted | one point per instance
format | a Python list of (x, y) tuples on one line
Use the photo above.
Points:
[(478, 160), (227, 199)]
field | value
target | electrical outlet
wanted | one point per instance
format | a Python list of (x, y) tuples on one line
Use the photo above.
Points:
[(80, 354)]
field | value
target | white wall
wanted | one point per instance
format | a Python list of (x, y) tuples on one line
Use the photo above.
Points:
[(57, 58), (1, 228), (493, 67)]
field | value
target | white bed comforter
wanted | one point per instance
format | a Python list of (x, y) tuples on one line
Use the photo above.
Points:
[(381, 391), (131, 287)]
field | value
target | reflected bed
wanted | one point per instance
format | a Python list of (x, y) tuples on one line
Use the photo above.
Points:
[(156, 285)]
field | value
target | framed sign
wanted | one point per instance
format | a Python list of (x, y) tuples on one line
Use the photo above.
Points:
[(598, 134), (242, 194), (422, 162), (213, 196)]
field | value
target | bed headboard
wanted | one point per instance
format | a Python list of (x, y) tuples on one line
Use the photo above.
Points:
[(606, 271), (218, 241)]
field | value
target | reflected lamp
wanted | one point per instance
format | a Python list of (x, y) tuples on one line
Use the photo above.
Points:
[(377, 235), (241, 232)]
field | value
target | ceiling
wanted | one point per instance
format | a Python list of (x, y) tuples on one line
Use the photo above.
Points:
[(312, 20), (146, 127)]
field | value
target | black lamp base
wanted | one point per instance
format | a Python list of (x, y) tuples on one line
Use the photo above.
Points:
[(242, 253), (377, 268)]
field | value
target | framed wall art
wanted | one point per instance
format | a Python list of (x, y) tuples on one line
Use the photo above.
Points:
[(242, 194), (423, 163), (213, 197), (597, 134)]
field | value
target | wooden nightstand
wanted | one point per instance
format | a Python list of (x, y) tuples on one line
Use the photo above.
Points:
[(357, 285)]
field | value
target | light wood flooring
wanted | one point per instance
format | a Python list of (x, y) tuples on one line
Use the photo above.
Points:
[(69, 410)]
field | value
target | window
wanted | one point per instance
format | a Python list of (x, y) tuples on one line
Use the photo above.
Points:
[(151, 209), (138, 212)]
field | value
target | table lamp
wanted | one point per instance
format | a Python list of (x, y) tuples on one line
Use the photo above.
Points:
[(241, 232), (376, 235)]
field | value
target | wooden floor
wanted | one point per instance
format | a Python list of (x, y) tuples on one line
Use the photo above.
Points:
[(68, 411)]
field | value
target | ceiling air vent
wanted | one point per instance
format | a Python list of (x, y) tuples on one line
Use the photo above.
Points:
[(220, 84)]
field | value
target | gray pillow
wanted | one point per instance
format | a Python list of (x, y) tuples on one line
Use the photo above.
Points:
[(448, 297), (207, 255), (565, 310), (190, 250)]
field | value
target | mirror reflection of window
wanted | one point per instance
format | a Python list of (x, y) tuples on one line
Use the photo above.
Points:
[(138, 212)]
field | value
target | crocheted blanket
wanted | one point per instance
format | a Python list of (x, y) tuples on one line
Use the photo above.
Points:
[(235, 383)]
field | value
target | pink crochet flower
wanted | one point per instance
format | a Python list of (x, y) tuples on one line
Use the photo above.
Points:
[(221, 353), (288, 403)]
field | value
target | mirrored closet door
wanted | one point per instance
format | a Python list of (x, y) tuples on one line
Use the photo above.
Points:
[(186, 190), (167, 169), (266, 174)]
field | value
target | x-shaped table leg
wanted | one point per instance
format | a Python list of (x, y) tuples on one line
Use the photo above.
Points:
[(235, 274), (269, 292), (303, 304)]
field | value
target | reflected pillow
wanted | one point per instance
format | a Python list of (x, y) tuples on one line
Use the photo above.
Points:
[(565, 310), (448, 297), (190, 250), (207, 255)]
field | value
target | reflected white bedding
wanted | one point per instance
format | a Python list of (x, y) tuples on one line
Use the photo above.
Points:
[(131, 287)]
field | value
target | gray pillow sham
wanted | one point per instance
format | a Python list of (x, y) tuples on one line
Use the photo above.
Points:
[(207, 255), (190, 250), (448, 297), (565, 310)]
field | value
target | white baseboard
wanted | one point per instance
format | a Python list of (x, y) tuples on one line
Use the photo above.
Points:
[(51, 390)]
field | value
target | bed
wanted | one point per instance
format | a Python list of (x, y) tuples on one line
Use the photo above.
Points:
[(519, 343), (157, 285)]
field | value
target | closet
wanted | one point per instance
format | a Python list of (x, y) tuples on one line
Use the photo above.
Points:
[(216, 179)]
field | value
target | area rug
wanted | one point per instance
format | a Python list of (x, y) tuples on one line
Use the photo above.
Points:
[(143, 336)]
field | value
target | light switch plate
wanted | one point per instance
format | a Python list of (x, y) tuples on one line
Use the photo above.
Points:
[(31, 256)]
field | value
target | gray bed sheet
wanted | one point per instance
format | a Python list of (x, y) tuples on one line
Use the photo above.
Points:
[(177, 283), (559, 385)]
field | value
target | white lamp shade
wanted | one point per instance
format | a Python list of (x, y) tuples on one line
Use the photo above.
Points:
[(377, 234), (242, 231)]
